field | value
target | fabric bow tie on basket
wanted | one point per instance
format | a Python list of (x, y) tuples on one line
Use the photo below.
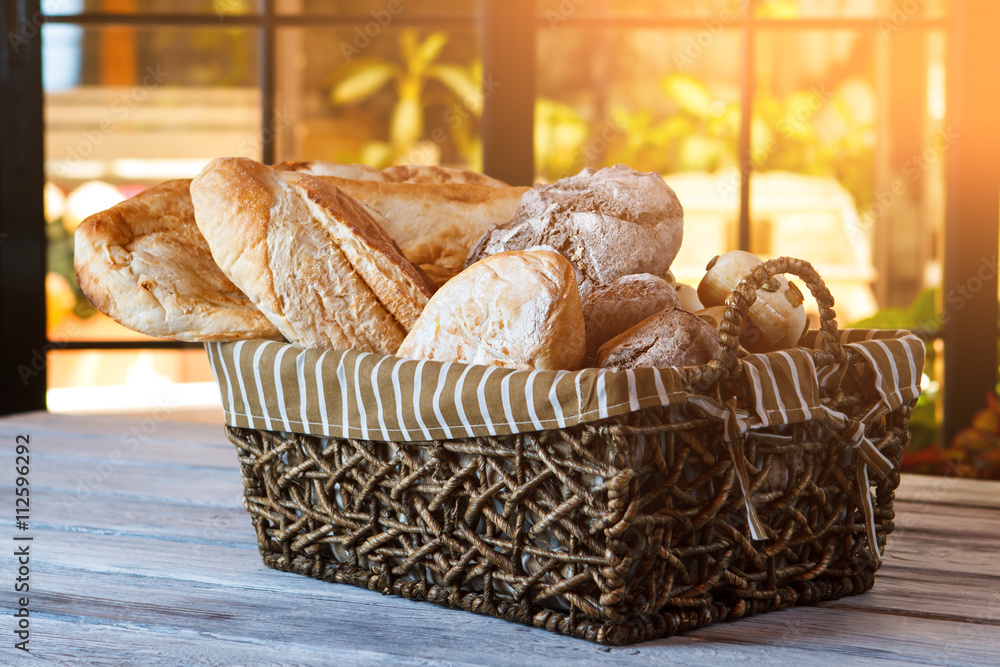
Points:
[(785, 387)]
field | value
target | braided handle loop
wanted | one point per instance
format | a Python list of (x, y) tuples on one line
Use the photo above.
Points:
[(745, 294)]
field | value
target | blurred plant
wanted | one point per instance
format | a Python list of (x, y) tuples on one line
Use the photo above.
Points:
[(560, 134), (63, 214), (979, 444), (412, 78), (974, 451), (804, 131), (778, 9)]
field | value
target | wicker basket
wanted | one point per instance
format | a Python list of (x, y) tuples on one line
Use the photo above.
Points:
[(617, 530)]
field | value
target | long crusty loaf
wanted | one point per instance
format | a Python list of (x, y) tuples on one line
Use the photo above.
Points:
[(426, 174), (312, 259), (144, 263), (435, 225)]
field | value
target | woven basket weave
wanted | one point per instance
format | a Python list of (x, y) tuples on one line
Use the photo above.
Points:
[(618, 530)]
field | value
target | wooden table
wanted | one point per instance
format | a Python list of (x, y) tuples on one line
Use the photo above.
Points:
[(141, 553)]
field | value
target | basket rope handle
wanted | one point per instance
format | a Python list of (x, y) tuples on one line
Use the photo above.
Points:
[(744, 296)]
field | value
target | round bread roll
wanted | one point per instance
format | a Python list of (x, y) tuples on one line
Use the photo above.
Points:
[(775, 321), (513, 310), (610, 223), (688, 297), (609, 310), (669, 338)]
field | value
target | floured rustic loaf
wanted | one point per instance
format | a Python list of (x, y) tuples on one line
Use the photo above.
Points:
[(145, 264), (435, 225), (312, 259), (610, 223), (610, 309), (516, 309), (672, 337)]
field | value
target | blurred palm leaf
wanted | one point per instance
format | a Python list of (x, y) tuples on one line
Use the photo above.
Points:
[(691, 94), (363, 80), (462, 82)]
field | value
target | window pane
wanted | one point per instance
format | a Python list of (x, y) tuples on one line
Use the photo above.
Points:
[(848, 176), (172, 384), (813, 148), (656, 101), (409, 96), (217, 7), (895, 12), (126, 109)]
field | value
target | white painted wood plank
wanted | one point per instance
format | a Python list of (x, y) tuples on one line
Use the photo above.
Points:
[(38, 424), (158, 565)]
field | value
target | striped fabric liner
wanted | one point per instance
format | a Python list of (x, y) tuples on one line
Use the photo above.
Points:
[(896, 357), (280, 387)]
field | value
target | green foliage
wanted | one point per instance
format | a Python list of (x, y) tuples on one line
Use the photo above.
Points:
[(806, 131), (560, 135), (920, 317), (412, 78)]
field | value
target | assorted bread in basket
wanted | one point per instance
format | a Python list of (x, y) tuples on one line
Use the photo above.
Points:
[(499, 399)]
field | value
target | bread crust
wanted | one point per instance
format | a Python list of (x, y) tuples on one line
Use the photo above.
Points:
[(672, 337), (516, 309), (313, 259), (610, 309), (609, 223), (145, 264), (435, 224), (425, 174)]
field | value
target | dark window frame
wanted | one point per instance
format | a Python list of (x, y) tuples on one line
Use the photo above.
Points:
[(973, 182)]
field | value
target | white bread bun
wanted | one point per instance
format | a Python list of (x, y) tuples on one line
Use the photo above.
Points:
[(775, 321), (609, 223), (310, 257), (688, 298), (514, 310)]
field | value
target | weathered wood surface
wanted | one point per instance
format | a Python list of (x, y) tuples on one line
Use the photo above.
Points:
[(143, 555)]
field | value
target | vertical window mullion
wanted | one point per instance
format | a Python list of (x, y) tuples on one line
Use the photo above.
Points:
[(22, 223), (268, 82), (973, 216), (508, 37), (747, 80)]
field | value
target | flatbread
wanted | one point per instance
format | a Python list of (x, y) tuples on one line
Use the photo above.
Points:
[(144, 263)]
